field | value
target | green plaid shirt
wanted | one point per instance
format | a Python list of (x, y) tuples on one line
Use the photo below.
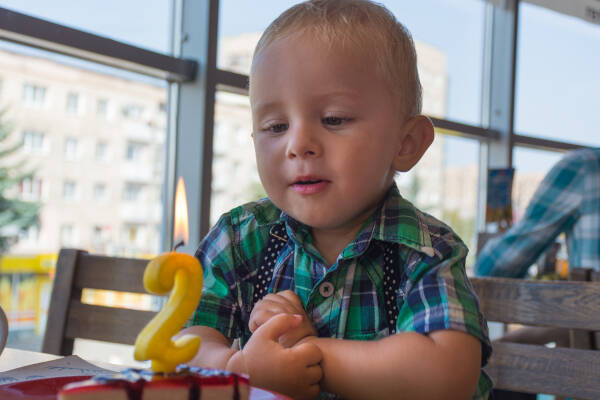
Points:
[(344, 300)]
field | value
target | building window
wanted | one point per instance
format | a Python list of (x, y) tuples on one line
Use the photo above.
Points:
[(132, 234), (101, 153), (29, 235), (34, 142), (99, 192), (133, 151), (71, 149), (132, 111), (67, 236), (132, 191), (100, 238), (97, 235), (69, 190), (30, 189), (73, 103), (34, 94), (102, 108)]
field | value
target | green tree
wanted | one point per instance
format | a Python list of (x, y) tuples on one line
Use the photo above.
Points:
[(15, 215)]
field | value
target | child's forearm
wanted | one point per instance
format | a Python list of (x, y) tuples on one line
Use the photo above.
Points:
[(215, 349), (407, 365)]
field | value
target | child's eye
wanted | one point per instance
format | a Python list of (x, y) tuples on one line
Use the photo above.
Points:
[(276, 128), (334, 121)]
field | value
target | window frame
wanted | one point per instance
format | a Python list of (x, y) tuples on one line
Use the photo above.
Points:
[(190, 132)]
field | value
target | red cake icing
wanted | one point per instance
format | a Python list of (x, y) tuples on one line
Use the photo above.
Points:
[(187, 383)]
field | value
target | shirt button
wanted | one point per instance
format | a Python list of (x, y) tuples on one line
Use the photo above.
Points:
[(326, 289)]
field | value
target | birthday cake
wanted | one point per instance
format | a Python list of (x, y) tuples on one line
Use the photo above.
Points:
[(187, 383)]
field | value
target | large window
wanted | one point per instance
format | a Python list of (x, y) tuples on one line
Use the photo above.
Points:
[(557, 77), (448, 37), (145, 23), (444, 184), (235, 177), (69, 177)]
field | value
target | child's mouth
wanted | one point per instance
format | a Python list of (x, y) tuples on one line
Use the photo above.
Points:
[(309, 186)]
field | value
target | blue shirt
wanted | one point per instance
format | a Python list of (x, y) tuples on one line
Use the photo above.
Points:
[(567, 200)]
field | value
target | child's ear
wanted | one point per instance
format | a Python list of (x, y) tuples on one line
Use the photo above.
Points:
[(417, 135)]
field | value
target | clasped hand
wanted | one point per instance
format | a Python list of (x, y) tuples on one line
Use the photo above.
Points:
[(286, 302), (273, 357)]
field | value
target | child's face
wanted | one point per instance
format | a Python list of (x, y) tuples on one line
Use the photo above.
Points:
[(326, 131)]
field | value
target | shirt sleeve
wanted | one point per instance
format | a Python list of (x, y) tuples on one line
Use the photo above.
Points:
[(553, 209), (218, 307), (442, 298)]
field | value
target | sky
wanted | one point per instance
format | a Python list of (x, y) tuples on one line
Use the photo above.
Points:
[(557, 74)]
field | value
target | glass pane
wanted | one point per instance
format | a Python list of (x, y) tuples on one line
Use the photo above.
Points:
[(89, 150), (531, 166), (444, 184), (449, 44), (144, 23), (235, 176), (557, 77)]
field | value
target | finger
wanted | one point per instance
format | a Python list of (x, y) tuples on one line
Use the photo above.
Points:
[(277, 305), (292, 298), (277, 326), (276, 298), (314, 374), (313, 391), (290, 338), (260, 317), (310, 352)]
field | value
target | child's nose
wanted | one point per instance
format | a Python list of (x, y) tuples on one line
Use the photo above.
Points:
[(303, 143)]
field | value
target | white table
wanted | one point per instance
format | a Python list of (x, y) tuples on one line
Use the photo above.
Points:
[(15, 358)]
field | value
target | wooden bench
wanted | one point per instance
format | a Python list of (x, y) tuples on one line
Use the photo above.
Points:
[(537, 368), (70, 318)]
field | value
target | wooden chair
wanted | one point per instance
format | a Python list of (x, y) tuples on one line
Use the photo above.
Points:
[(537, 368), (584, 339), (70, 318)]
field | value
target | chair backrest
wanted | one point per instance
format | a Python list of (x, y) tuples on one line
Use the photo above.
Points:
[(580, 339), (535, 368), (70, 318)]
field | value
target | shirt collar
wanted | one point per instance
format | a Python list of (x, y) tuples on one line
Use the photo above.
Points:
[(396, 220)]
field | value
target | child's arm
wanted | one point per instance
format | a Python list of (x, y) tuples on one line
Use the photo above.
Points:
[(445, 364), (295, 371), (215, 349)]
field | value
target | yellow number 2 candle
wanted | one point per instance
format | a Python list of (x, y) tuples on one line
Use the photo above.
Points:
[(180, 274)]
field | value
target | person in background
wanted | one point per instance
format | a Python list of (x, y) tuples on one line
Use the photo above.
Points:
[(566, 201), (335, 283)]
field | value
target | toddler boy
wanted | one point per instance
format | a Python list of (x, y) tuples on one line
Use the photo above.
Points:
[(335, 283)]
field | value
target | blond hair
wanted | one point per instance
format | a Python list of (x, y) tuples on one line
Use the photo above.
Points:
[(364, 25)]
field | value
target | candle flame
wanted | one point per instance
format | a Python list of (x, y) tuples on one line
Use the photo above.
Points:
[(181, 231)]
